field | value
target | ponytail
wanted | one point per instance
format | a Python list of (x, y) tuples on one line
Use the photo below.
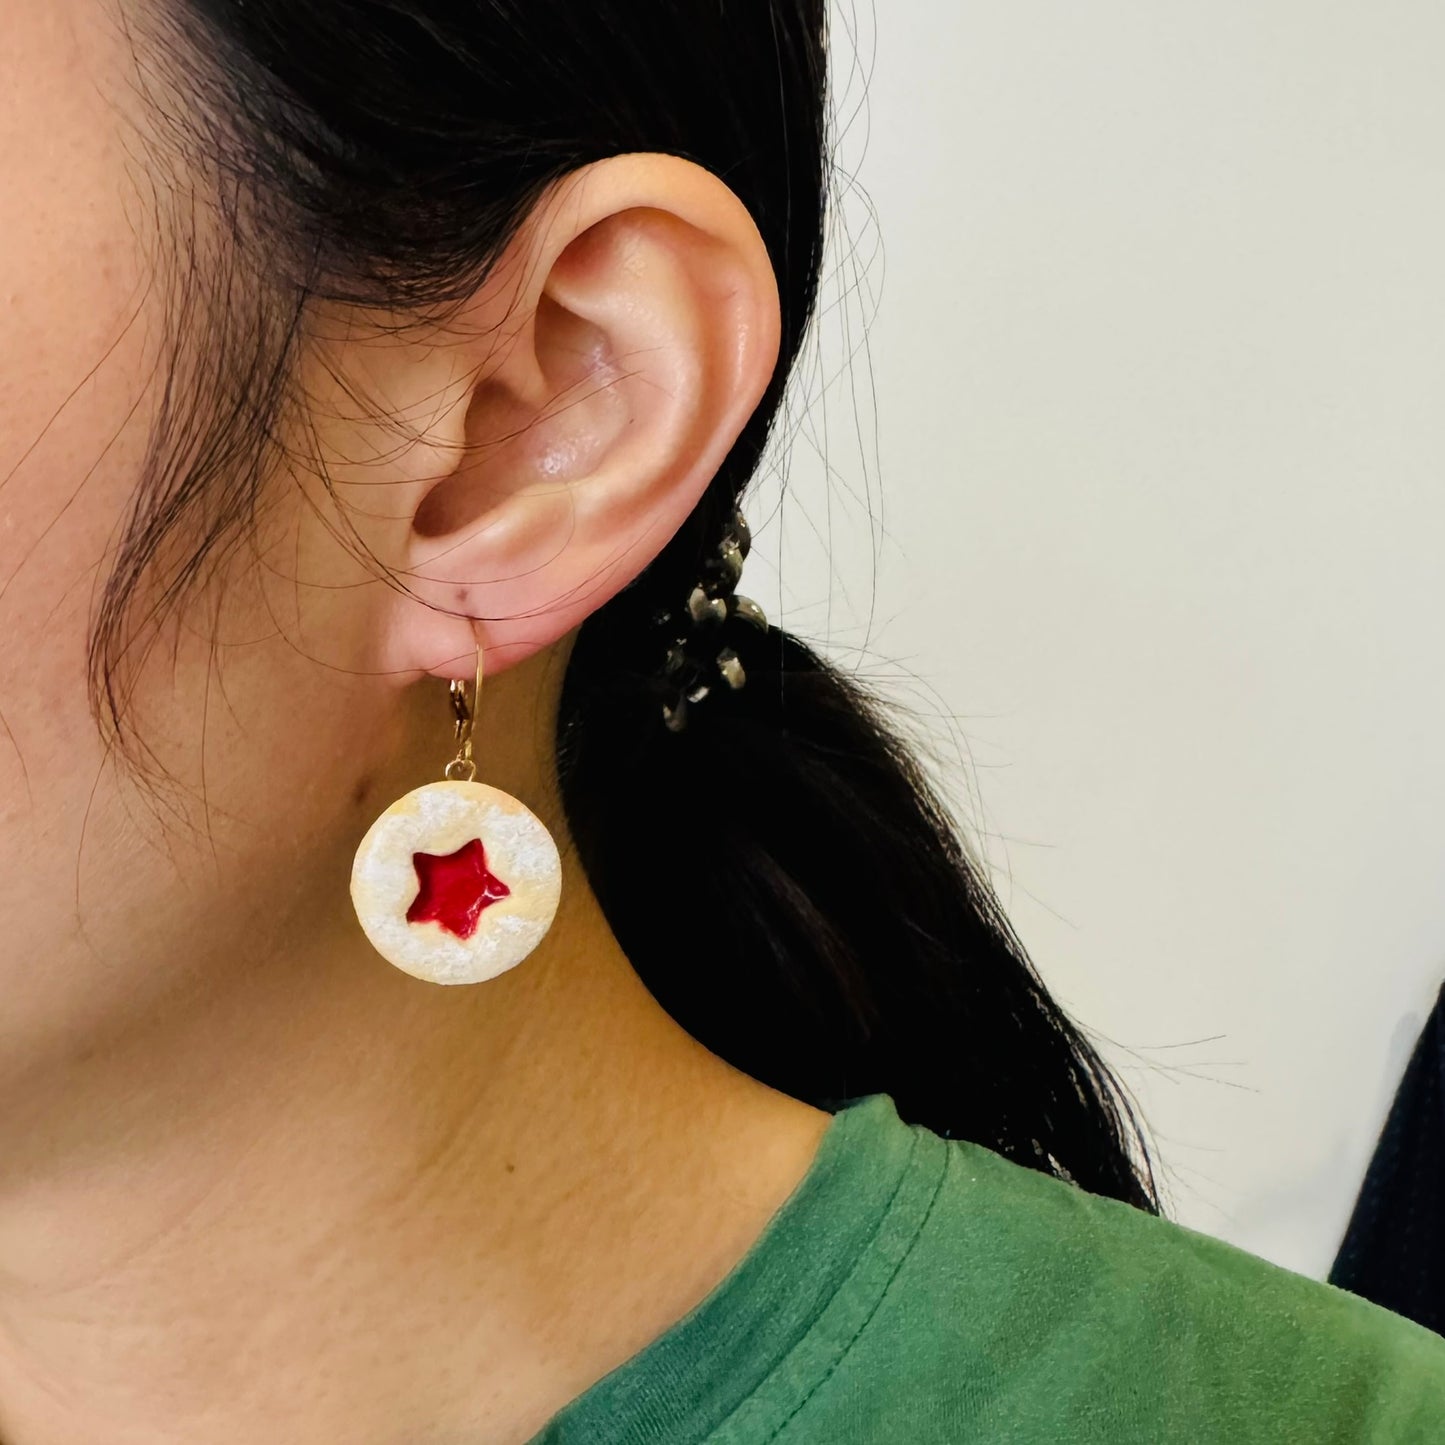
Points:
[(790, 888)]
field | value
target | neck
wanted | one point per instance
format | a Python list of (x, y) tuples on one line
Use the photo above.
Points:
[(318, 1200)]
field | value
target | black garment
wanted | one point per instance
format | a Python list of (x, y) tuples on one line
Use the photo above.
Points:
[(1394, 1247)]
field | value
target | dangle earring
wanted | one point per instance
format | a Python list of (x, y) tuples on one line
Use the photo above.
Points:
[(457, 881)]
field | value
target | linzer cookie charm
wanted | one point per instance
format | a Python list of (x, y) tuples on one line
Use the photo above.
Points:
[(457, 881)]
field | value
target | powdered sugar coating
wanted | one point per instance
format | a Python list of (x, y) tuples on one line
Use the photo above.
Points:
[(439, 818)]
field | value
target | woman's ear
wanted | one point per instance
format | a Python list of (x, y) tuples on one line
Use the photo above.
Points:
[(525, 462)]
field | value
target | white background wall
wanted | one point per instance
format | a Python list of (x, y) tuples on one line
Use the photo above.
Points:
[(1146, 521)]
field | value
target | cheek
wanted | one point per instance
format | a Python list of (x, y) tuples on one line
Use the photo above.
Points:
[(73, 318), (73, 301), (73, 422)]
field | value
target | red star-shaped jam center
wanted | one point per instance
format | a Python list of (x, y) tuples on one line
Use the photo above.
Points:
[(455, 887)]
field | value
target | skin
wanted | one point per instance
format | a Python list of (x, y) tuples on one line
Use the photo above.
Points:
[(256, 1183)]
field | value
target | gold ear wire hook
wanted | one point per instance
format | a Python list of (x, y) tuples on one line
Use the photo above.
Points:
[(462, 769)]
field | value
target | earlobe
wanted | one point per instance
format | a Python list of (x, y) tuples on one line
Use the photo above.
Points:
[(606, 367)]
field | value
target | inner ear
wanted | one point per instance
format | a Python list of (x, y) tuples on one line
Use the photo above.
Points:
[(570, 347), (521, 434)]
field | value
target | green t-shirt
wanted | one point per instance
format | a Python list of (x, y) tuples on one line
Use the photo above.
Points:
[(914, 1290)]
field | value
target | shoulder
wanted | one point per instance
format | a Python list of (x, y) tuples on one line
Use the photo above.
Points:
[(1030, 1310)]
